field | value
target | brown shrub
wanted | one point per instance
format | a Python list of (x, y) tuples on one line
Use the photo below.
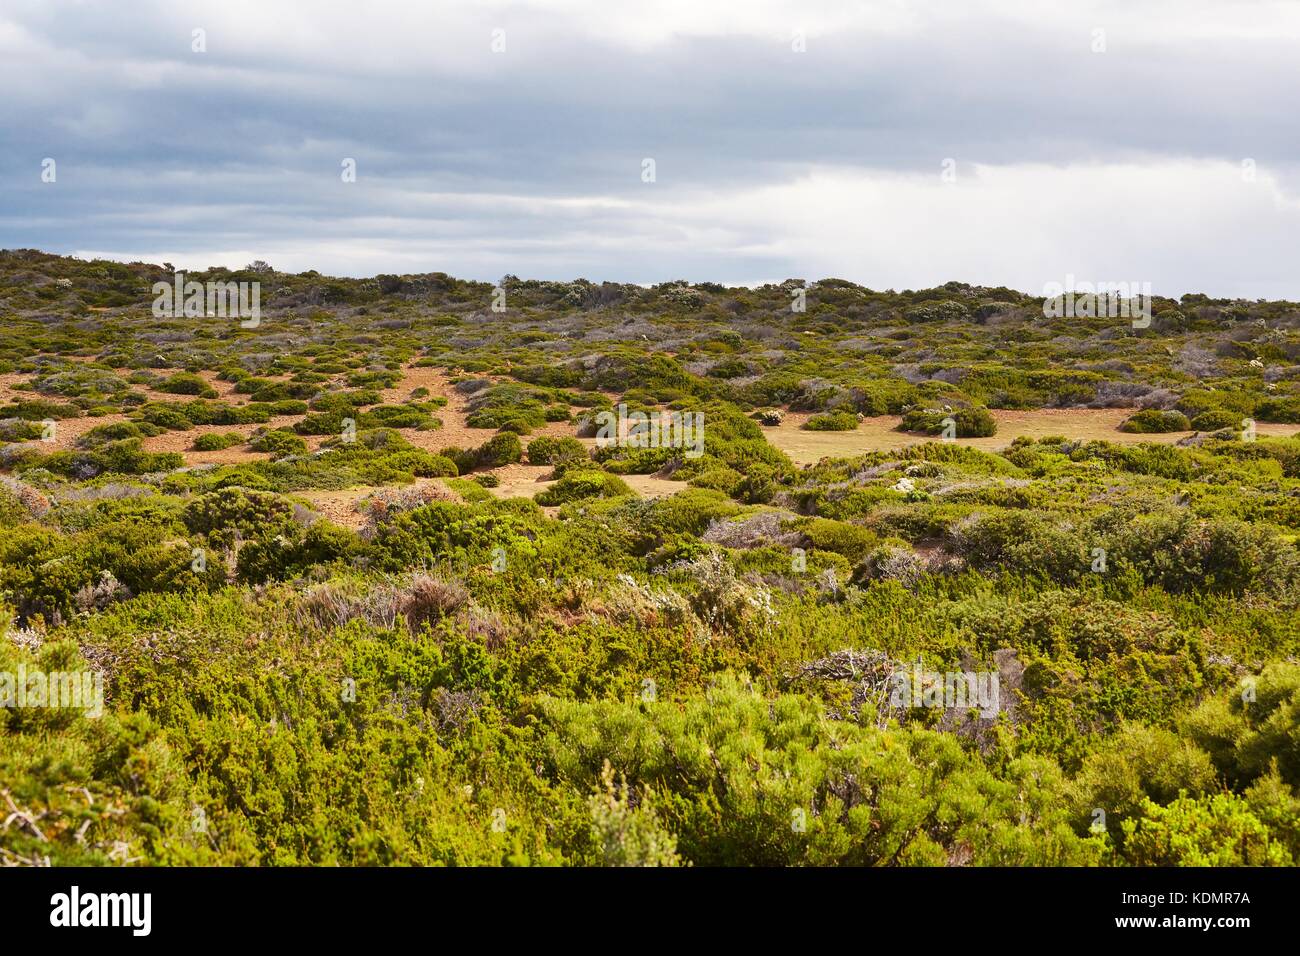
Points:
[(427, 600)]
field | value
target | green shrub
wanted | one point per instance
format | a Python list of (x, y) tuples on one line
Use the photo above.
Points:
[(851, 540), (322, 544), (501, 449), (185, 383), (945, 311), (736, 764), (1286, 410), (325, 423), (38, 409), (968, 422), (832, 422), (1156, 420), (1215, 420), (117, 431), (396, 416), (1217, 830), (214, 441), (577, 485), (546, 450), (125, 457), (243, 510), (279, 443), (20, 430)]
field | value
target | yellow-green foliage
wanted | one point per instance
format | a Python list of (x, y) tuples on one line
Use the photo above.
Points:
[(595, 677)]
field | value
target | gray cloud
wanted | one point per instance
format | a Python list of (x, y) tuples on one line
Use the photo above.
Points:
[(529, 161)]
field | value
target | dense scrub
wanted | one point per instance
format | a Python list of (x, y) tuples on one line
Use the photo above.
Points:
[(588, 676)]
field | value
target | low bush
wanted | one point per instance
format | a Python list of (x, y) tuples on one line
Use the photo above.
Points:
[(966, 422), (1215, 420), (577, 485), (832, 422), (1156, 420), (279, 443), (545, 450), (185, 383), (501, 449), (215, 441)]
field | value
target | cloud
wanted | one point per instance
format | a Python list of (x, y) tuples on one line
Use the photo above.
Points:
[(1019, 226), (770, 162)]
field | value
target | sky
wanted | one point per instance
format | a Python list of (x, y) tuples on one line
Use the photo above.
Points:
[(896, 144)]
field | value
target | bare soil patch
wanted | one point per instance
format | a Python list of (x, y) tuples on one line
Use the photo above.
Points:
[(880, 433), (340, 506)]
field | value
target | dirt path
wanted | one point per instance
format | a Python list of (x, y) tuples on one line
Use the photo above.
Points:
[(648, 486), (520, 480)]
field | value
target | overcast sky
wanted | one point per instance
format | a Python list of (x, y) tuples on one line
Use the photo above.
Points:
[(1135, 140)]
